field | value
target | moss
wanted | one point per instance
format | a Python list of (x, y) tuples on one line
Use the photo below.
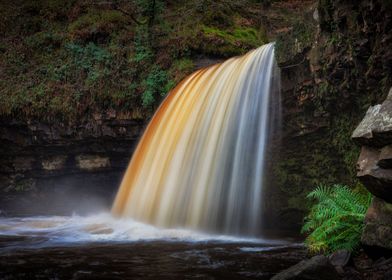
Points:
[(233, 41), (64, 61), (340, 135), (157, 83), (297, 202), (339, 95), (97, 21), (231, 37), (21, 185), (293, 43), (44, 40), (180, 69)]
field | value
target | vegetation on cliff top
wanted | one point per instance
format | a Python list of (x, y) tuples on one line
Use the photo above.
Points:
[(61, 61)]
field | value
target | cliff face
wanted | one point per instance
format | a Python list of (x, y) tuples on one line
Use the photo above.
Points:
[(335, 57), (80, 80), (334, 67), (374, 171), (60, 168)]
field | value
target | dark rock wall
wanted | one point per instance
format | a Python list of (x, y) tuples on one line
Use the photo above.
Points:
[(328, 83), (61, 168)]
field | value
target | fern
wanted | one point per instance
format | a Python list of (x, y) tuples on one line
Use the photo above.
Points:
[(336, 220)]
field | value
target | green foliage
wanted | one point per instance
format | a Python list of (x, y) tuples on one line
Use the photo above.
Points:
[(234, 41), (103, 22), (96, 19), (143, 51), (289, 45), (53, 9), (150, 8), (92, 59), (340, 134), (336, 220), (181, 68), (22, 185), (66, 60), (44, 41), (156, 84), (184, 65)]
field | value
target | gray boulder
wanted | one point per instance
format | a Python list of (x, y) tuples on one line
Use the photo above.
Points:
[(372, 173), (376, 127)]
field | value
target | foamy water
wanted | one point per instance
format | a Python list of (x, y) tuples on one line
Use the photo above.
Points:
[(43, 231)]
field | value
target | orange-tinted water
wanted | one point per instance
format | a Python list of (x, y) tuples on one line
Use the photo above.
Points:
[(200, 162)]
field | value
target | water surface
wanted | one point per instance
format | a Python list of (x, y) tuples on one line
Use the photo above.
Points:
[(101, 247)]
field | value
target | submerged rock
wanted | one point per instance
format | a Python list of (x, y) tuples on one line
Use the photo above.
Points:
[(317, 268)]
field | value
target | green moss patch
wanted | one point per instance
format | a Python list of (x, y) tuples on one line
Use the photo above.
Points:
[(232, 41)]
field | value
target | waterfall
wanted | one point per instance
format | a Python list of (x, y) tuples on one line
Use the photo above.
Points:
[(200, 163)]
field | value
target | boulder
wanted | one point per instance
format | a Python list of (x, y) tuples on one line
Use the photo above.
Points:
[(316, 268), (372, 172), (376, 127), (385, 157), (374, 165), (378, 225)]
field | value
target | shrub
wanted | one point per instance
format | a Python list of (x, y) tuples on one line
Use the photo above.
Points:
[(92, 59), (45, 41), (156, 83), (181, 68), (104, 23), (143, 51), (336, 220)]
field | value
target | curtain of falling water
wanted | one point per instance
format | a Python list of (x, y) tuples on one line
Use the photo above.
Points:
[(200, 162)]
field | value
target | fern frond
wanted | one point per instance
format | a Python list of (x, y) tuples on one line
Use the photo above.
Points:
[(335, 221)]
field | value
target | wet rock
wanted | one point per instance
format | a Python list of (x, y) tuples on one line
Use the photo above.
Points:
[(23, 163), (317, 268), (54, 163), (41, 162), (92, 162), (378, 225), (340, 258), (374, 133), (362, 261), (373, 174), (385, 157), (361, 49), (376, 127)]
